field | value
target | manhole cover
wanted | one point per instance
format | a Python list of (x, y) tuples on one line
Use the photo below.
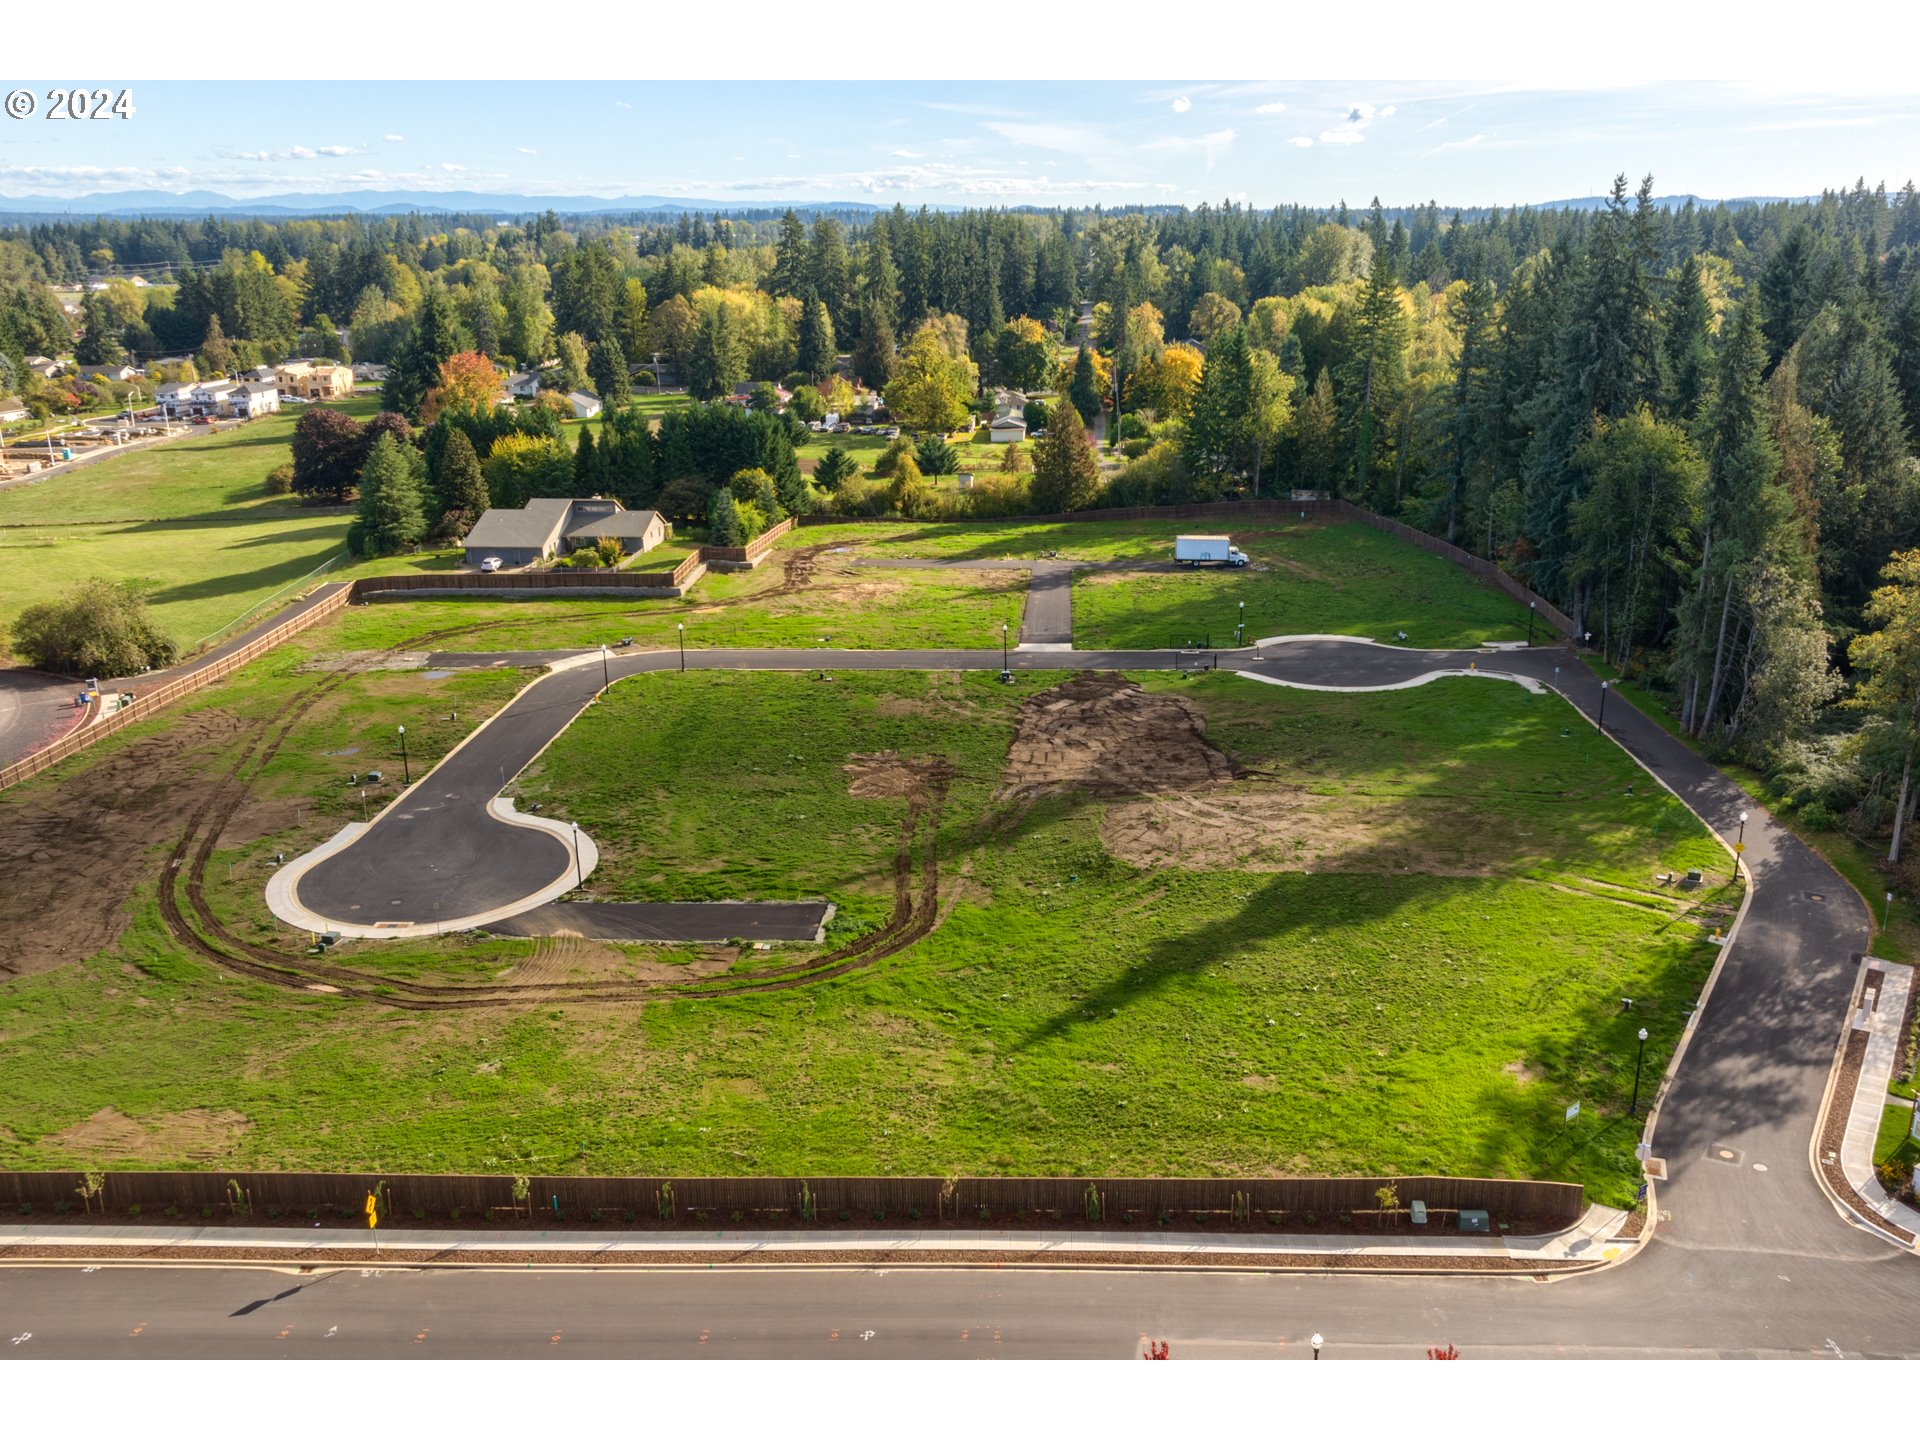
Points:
[(1725, 1154), (1816, 897)]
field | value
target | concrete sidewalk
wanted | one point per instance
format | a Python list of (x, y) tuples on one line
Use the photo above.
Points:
[(1882, 1025), (1593, 1239)]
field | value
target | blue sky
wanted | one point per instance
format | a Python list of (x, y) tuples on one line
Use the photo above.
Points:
[(1024, 142)]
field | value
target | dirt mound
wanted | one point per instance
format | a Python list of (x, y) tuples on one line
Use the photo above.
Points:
[(184, 1135), (1103, 734), (889, 775)]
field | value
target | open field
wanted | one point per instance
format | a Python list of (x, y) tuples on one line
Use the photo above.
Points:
[(1304, 579), (1321, 934), (190, 521)]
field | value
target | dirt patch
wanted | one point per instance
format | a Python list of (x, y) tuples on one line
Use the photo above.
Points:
[(203, 1135), (566, 959), (889, 775), (1522, 1073), (360, 662), (1102, 734), (1271, 828), (91, 837)]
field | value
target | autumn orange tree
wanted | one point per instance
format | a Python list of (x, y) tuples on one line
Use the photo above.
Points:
[(466, 381)]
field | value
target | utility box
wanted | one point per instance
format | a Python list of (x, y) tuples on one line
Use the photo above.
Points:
[(1475, 1222)]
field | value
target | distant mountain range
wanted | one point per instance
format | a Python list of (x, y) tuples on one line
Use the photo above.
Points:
[(163, 203), (383, 202)]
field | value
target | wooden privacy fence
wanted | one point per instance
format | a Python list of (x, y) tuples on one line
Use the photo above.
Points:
[(584, 581), (217, 666), (749, 553), (986, 1200)]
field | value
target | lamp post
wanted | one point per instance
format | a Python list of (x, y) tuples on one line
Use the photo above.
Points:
[(1634, 1107), (1600, 723), (606, 679), (1886, 915), (1006, 672), (579, 879), (1740, 844), (1240, 630), (1533, 608), (1317, 1341), (405, 770), (681, 626)]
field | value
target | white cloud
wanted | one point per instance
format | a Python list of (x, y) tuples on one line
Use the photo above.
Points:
[(453, 169), (1272, 107), (298, 152), (908, 154), (393, 139), (526, 150), (1305, 142), (1352, 129), (1341, 137), (623, 104), (1388, 111), (1361, 114), (1182, 105)]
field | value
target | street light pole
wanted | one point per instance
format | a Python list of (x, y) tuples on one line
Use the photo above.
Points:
[(1533, 608), (1634, 1108), (606, 680), (578, 878), (1006, 672), (406, 770), (1600, 724), (1741, 843), (1317, 1341), (681, 626), (1240, 630)]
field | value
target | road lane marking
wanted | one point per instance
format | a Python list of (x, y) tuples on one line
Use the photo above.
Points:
[(27, 1335)]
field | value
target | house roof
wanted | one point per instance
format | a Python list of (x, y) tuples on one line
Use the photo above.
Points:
[(620, 525), (9, 402), (1007, 422), (533, 528), (580, 397), (258, 387)]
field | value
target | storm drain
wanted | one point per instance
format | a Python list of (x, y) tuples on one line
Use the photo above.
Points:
[(1725, 1154), (1816, 897)]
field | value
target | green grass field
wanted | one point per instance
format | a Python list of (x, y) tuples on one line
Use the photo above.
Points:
[(188, 521), (1400, 946), (1304, 579)]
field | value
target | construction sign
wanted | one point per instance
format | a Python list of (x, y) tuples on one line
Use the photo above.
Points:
[(373, 1211)]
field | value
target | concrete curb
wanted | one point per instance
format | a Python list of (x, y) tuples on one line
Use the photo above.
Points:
[(1814, 1162)]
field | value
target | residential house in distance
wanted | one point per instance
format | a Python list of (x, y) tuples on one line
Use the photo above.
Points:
[(523, 384), (109, 372), (45, 368), (743, 393), (259, 372), (1009, 422), (313, 380), (11, 410), (366, 372), (187, 399), (251, 400), (547, 527), (585, 406)]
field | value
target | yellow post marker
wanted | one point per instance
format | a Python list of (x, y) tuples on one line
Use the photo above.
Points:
[(373, 1211), (1741, 848)]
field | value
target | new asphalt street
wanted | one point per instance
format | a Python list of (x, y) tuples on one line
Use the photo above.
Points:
[(1749, 1257)]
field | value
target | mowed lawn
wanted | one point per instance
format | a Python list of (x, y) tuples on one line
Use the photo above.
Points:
[(1397, 945), (188, 521)]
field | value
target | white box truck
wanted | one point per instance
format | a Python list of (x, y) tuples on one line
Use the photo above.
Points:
[(1206, 550)]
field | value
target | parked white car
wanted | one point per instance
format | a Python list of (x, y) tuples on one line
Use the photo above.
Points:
[(490, 564)]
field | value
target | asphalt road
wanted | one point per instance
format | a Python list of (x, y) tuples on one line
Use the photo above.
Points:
[(35, 710), (1749, 1258)]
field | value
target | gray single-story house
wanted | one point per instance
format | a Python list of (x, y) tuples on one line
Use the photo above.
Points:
[(547, 527)]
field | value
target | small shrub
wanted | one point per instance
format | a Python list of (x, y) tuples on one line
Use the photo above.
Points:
[(280, 480), (879, 1217), (1817, 816), (133, 1212), (1199, 1217), (1126, 1217), (1165, 1219), (1346, 1218), (845, 1215), (594, 1215), (738, 1217), (26, 1207), (206, 1212), (454, 1215), (1273, 1217), (985, 1214), (627, 1215), (313, 1212), (1311, 1218), (419, 1214), (172, 1210), (273, 1212), (61, 1207)]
